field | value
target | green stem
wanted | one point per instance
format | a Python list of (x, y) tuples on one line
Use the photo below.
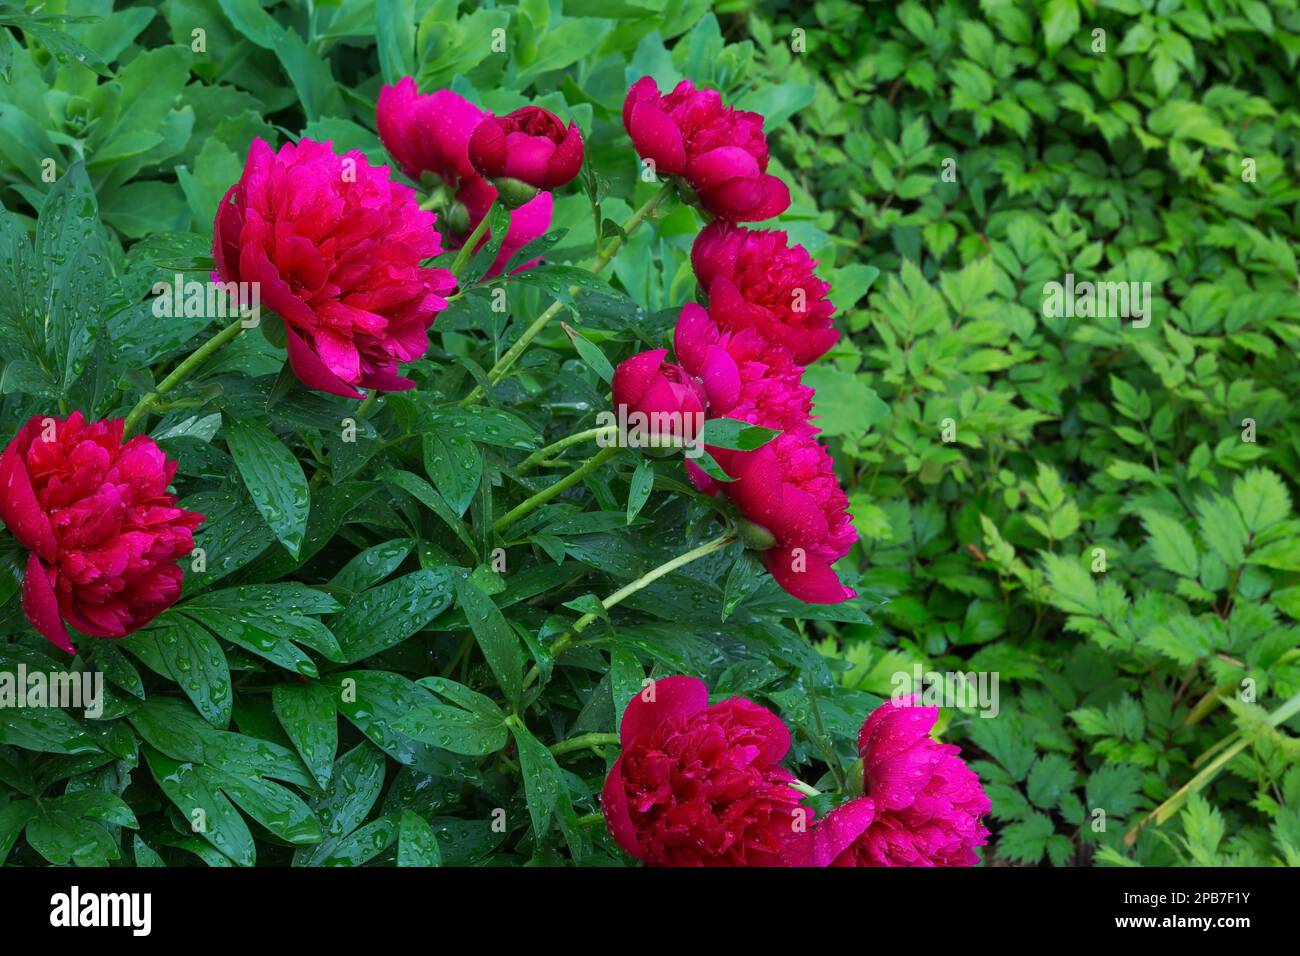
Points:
[(650, 577), (823, 742), (584, 742), (633, 221), (181, 372), (540, 456), (804, 788), (550, 491), (591, 819), (367, 403), (467, 250), (431, 202), (504, 364)]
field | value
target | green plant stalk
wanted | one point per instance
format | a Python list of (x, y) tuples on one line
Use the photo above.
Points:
[(804, 788), (650, 577), (1171, 806), (539, 457), (504, 364), (823, 741), (181, 372), (584, 742), (1206, 705), (367, 403), (550, 491), (467, 250)]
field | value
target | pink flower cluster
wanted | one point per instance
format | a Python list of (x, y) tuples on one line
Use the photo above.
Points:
[(743, 356), (701, 785), (477, 156)]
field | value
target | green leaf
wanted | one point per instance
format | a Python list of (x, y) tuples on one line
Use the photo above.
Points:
[(1060, 23), (642, 484), (274, 479), (205, 809), (454, 729), (454, 465), (548, 795), (416, 843), (388, 614), (1172, 543), (1050, 779), (496, 639), (310, 718), (193, 658), (844, 403), (737, 435), (1262, 499)]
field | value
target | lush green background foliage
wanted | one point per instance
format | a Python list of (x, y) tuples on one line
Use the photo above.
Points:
[(370, 561)]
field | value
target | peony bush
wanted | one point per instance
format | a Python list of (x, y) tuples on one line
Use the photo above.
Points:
[(448, 434), (390, 476)]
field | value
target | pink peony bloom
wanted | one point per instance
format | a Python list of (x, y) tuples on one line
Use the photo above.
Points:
[(530, 145), (103, 532), (665, 393), (754, 279), (336, 247), (788, 487), (721, 152), (430, 133), (923, 805), (702, 786), (427, 133)]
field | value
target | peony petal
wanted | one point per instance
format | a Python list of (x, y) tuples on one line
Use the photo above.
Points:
[(840, 829), (721, 380), (717, 166), (800, 522), (727, 307), (487, 148), (19, 509), (613, 802), (656, 137), (634, 376), (42, 607), (694, 334), (817, 583), (311, 371), (567, 161), (674, 698)]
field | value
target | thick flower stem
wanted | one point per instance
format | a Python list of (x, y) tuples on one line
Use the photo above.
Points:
[(584, 742), (550, 491), (504, 364), (181, 372), (650, 577), (540, 456), (467, 250), (804, 788)]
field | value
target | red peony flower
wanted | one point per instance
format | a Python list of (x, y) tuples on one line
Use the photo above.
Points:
[(702, 786), (923, 805), (336, 248), (103, 532), (430, 133), (529, 145), (666, 394), (754, 279), (788, 488), (427, 133), (721, 152)]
